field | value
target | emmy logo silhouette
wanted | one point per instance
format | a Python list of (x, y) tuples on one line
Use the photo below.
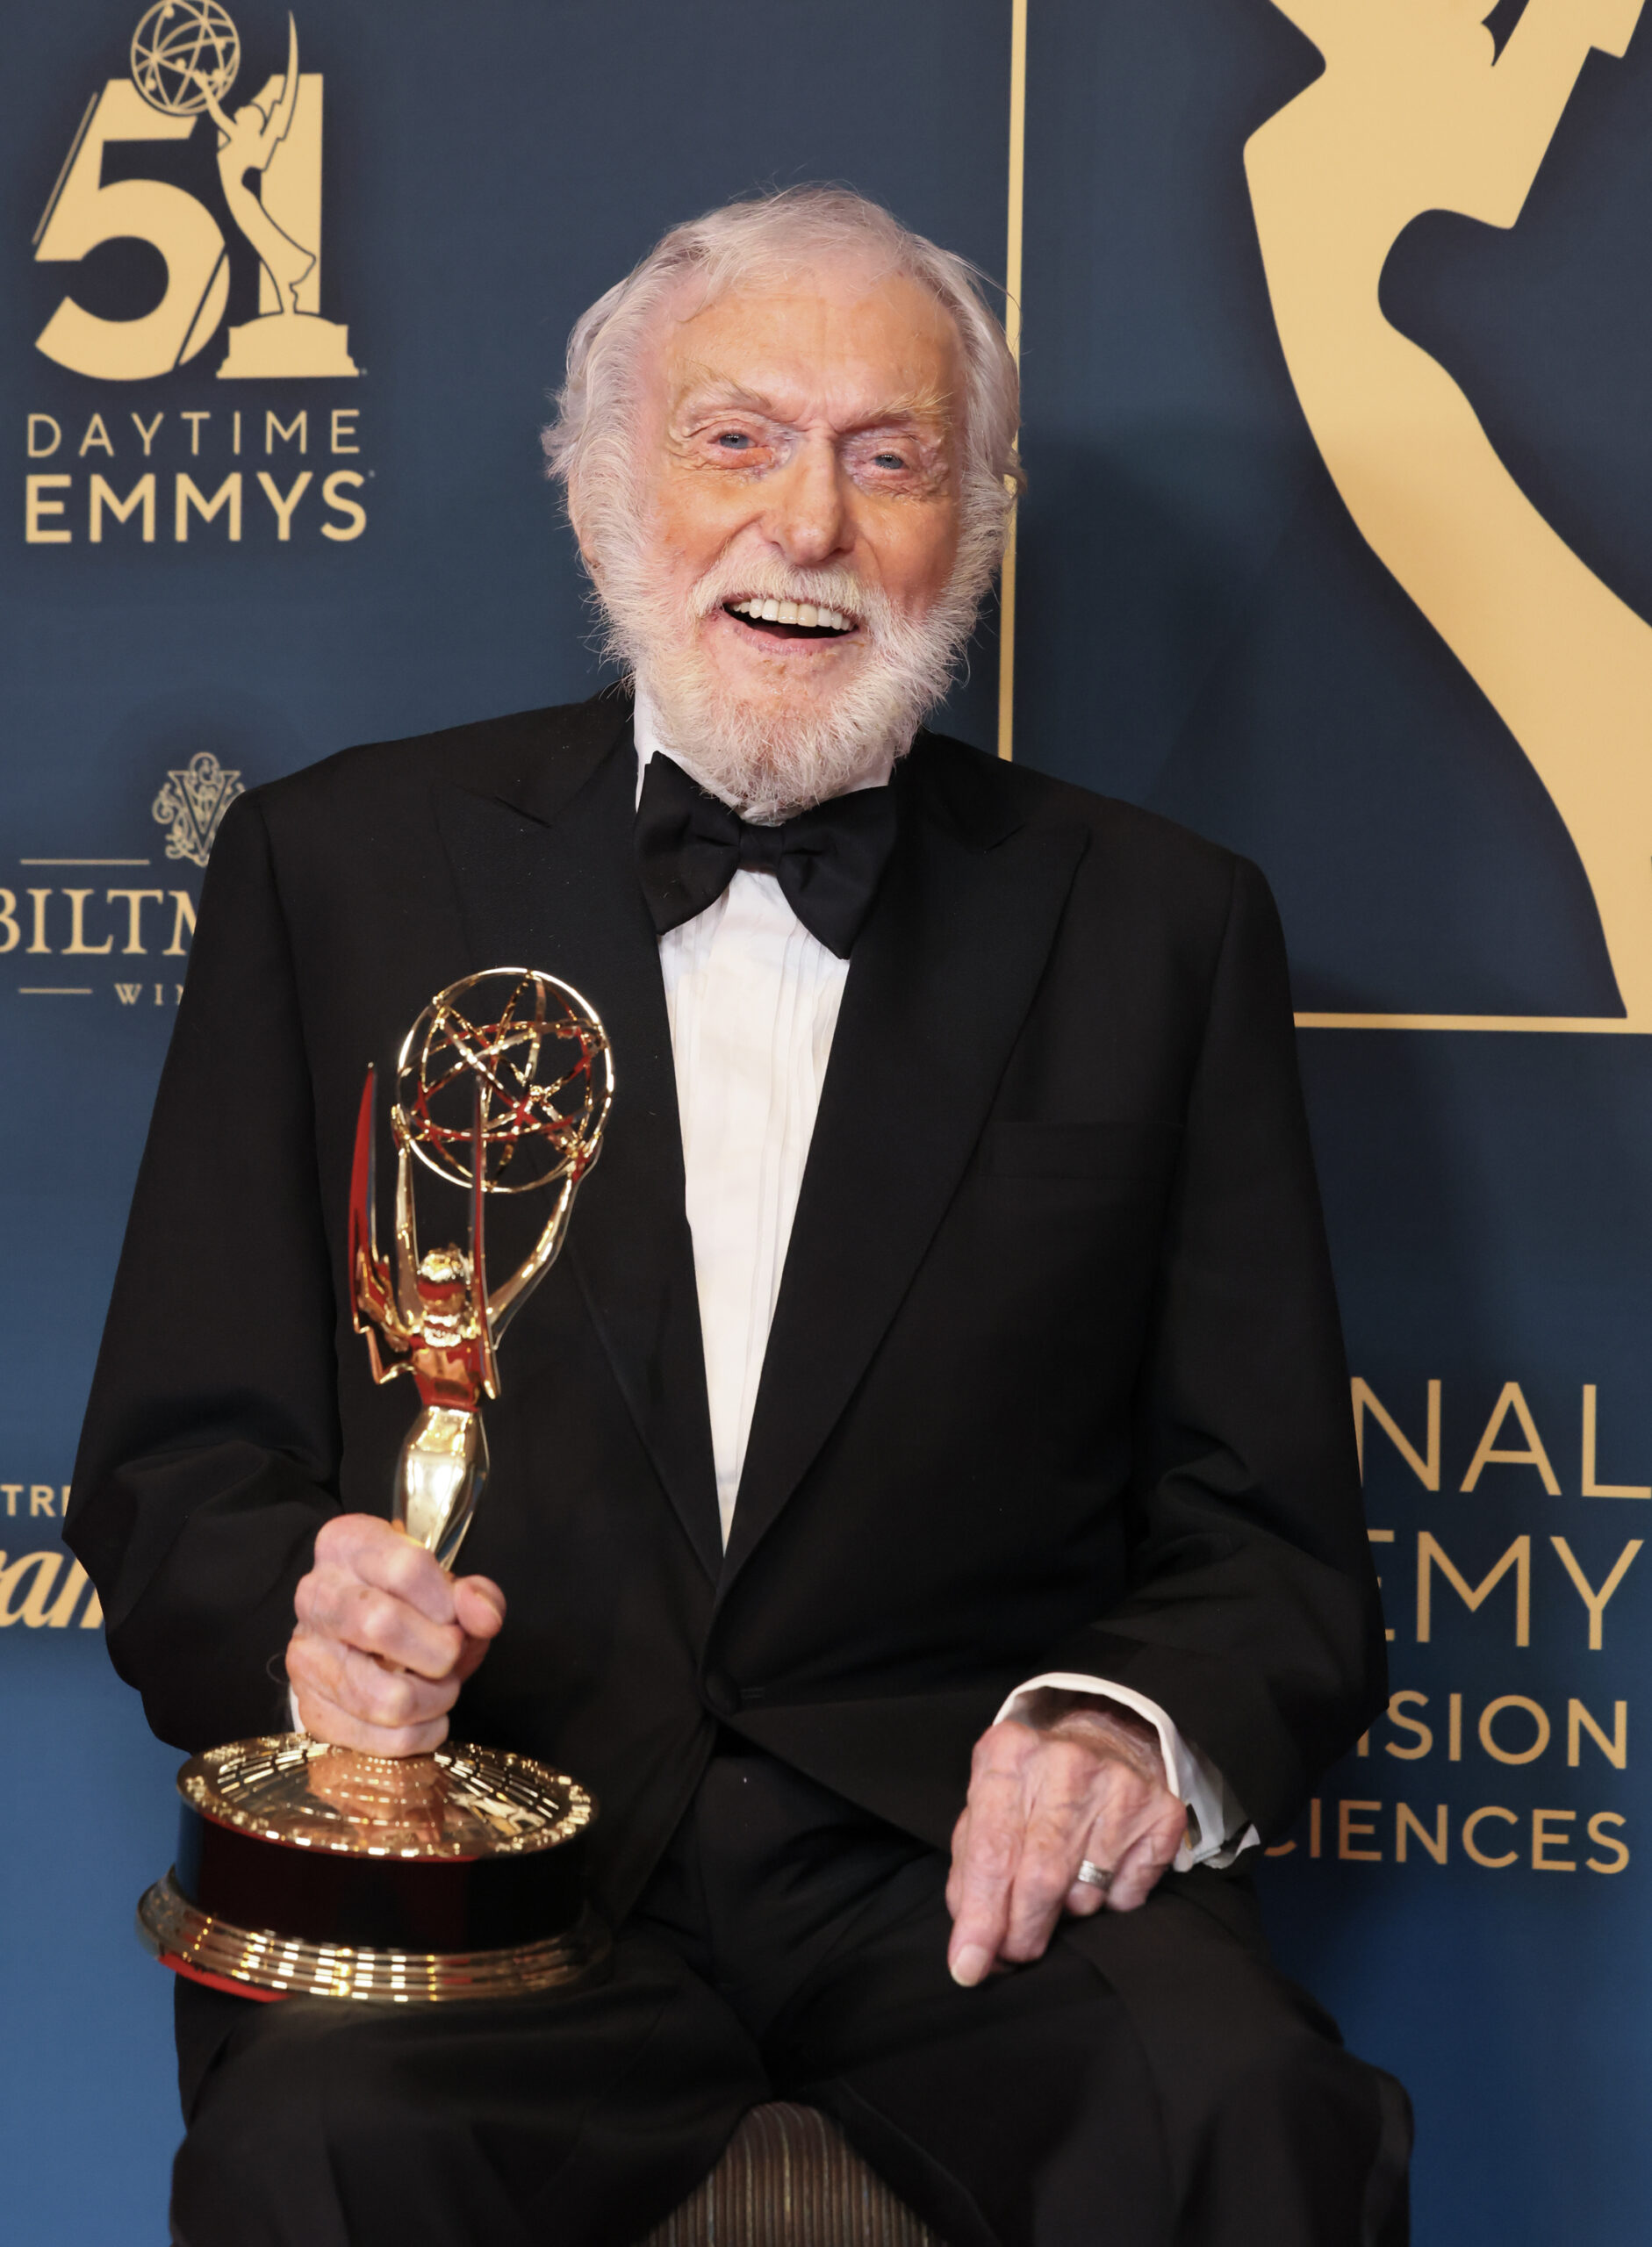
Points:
[(185, 54), (1418, 109)]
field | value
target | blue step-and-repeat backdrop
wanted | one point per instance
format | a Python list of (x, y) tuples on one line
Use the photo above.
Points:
[(1337, 347)]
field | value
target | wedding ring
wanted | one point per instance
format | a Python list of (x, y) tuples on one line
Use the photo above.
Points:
[(1092, 1875)]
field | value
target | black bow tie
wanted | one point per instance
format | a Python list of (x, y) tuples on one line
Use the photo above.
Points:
[(828, 861)]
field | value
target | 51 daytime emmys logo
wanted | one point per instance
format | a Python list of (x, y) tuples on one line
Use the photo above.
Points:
[(185, 228)]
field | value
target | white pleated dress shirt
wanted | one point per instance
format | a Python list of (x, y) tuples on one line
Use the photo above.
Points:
[(753, 1001)]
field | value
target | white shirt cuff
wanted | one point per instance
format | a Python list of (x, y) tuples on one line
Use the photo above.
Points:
[(1217, 1829)]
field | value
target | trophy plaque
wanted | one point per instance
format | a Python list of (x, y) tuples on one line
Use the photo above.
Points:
[(307, 1869)]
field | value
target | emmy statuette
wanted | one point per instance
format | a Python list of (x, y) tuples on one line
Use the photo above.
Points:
[(307, 1869)]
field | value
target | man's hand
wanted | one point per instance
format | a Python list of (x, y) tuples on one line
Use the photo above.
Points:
[(1080, 1779), (385, 1639)]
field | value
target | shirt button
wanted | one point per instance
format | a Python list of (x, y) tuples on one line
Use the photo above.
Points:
[(721, 1693)]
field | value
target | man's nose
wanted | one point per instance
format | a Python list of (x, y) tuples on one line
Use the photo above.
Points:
[(808, 515)]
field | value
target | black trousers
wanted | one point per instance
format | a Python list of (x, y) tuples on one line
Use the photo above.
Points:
[(1152, 2080)]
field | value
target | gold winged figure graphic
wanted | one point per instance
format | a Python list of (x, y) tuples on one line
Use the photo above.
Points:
[(247, 142), (1416, 110), (290, 337)]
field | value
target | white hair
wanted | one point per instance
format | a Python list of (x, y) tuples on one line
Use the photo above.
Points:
[(589, 447), (770, 765)]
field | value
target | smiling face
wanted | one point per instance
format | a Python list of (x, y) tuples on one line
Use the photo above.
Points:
[(806, 445), (784, 596)]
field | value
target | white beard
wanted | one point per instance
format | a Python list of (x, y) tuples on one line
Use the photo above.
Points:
[(767, 757)]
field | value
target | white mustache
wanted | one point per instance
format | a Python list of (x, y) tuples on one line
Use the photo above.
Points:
[(838, 589)]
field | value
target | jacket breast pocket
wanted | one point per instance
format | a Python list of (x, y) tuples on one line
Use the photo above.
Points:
[(1117, 1152)]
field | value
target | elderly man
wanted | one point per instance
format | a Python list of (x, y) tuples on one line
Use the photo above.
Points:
[(922, 1503)]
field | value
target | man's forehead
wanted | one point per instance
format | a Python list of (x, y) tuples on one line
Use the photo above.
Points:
[(886, 352), (803, 393)]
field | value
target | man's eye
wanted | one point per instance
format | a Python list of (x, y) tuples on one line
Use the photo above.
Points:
[(733, 440), (888, 460)]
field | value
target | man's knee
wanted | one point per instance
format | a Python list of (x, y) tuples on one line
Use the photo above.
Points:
[(319, 2121), (255, 2159), (1282, 2066), (1293, 2117)]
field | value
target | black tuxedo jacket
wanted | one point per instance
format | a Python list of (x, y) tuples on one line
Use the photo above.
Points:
[(1054, 1381)]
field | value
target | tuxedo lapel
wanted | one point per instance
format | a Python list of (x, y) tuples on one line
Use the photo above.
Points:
[(941, 980), (545, 879)]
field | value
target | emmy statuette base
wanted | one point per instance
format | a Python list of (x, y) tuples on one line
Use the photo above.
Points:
[(258, 1962), (307, 1870)]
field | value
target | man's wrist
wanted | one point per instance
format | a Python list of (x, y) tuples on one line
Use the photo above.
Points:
[(1105, 1726)]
